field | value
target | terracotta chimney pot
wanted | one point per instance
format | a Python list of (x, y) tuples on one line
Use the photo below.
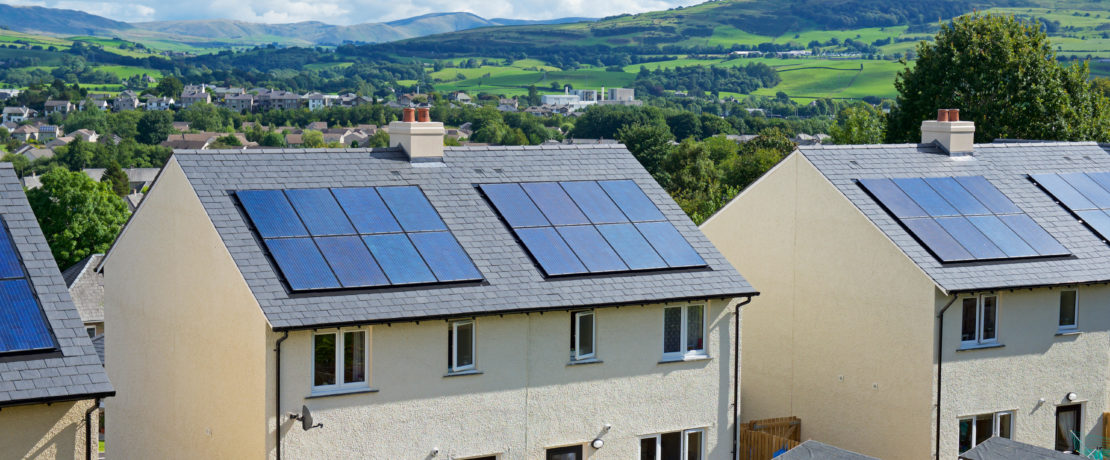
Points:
[(942, 115), (409, 115), (953, 114), (422, 115)]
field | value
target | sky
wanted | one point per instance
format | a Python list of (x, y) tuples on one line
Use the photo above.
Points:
[(347, 12)]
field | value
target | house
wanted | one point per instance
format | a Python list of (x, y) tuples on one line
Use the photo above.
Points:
[(194, 141), (294, 140), (86, 134), (18, 114), (315, 101), (55, 106), (86, 288), (7, 93), (87, 104), (460, 97), (939, 286), (403, 360), (242, 103), (181, 126), (126, 100), (317, 126), (25, 133), (192, 96), (158, 103), (31, 153), (999, 448), (51, 380), (48, 133), (279, 100), (137, 178)]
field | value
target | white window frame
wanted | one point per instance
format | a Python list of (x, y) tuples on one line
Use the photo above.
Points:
[(658, 437), (451, 366), (980, 303), (996, 425), (682, 353), (1074, 327), (339, 384), (577, 354)]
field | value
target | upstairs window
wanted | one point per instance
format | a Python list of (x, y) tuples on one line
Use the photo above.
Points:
[(1069, 311), (460, 346), (683, 332), (340, 360), (980, 321), (582, 335)]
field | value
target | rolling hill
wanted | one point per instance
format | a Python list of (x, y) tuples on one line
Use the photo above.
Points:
[(57, 21)]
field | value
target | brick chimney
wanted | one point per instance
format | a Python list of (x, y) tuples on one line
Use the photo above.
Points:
[(418, 136), (949, 133)]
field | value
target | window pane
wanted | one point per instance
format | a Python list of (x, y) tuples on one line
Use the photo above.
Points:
[(1005, 424), (672, 330), (984, 428), (586, 334), (451, 347), (693, 445), (354, 356), (325, 360), (969, 320), (671, 446), (465, 344), (1067, 426), (1067, 308), (990, 314), (647, 449), (694, 328), (965, 435)]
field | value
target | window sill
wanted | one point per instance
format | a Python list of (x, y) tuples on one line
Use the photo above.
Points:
[(979, 346), (1067, 332), (345, 391), (575, 362), (682, 359), (462, 373)]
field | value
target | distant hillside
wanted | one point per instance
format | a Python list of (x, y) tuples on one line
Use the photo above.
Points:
[(56, 21)]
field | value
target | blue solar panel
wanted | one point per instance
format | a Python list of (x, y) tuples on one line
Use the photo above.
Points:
[(632, 200), (514, 205), (351, 261), (22, 324), (445, 256), (9, 262), (549, 249), (1090, 190), (592, 249), (320, 212), (594, 202), (412, 209), (399, 259), (636, 252), (1087, 195), (302, 264), (367, 210), (670, 244), (1064, 192), (555, 204), (962, 219), (1097, 219), (271, 213)]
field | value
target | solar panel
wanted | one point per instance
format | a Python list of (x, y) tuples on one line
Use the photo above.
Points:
[(587, 227), (1086, 195), (23, 326), (961, 219), (360, 237)]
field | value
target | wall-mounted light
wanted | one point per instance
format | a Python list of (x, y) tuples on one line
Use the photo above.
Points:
[(597, 443), (1072, 396)]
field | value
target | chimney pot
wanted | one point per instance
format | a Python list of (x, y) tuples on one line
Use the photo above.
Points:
[(422, 115), (942, 115), (953, 114), (955, 137), (409, 115)]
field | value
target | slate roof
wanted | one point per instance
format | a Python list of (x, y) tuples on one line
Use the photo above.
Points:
[(999, 448), (1007, 166), (86, 288), (513, 282), (814, 450), (75, 372)]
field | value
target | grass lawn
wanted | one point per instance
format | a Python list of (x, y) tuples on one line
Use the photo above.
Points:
[(125, 71), (101, 446)]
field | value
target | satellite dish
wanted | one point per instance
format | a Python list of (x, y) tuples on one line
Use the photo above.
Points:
[(305, 417)]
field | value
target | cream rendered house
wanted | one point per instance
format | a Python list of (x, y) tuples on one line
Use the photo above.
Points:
[(229, 313), (922, 298), (50, 376)]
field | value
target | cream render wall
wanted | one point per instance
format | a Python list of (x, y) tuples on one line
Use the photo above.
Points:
[(527, 397), (186, 342), (1033, 363), (842, 333), (40, 431)]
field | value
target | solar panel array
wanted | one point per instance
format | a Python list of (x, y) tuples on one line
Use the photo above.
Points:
[(963, 218), (589, 227), (365, 237), (1087, 195), (23, 325)]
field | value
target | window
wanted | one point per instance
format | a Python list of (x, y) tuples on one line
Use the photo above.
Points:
[(91, 331), (1068, 428), (980, 321), (979, 428), (582, 335), (565, 453), (460, 346), (683, 331), (340, 360), (1069, 310), (677, 445)]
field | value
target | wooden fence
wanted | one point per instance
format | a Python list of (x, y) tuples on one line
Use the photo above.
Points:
[(760, 439)]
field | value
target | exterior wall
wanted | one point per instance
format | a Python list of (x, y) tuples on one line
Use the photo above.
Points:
[(842, 333), (1034, 363), (185, 339), (527, 398), (40, 431)]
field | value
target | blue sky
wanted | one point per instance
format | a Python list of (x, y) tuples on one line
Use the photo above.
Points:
[(347, 11)]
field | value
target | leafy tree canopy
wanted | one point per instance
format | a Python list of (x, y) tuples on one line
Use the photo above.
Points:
[(78, 215), (859, 124)]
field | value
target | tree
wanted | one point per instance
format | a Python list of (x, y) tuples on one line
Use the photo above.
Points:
[(859, 124), (684, 125), (229, 140), (169, 87), (154, 127), (78, 215), (272, 139), (648, 143), (312, 139), (379, 139), (19, 162), (1003, 75), (117, 179)]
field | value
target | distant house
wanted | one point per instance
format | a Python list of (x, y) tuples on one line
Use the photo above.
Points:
[(315, 101), (460, 97), (26, 133), (137, 178), (18, 114), (86, 288), (55, 106), (6, 94), (126, 100), (317, 126), (194, 95), (32, 153), (158, 103), (243, 103), (196, 141), (294, 140), (48, 133), (86, 104), (279, 100), (181, 126)]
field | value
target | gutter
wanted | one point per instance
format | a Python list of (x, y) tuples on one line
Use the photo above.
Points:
[(88, 430), (277, 394), (736, 383), (940, 359)]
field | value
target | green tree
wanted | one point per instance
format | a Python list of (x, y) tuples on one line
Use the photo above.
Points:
[(685, 125), (648, 143), (272, 139), (117, 179), (379, 139), (203, 116), (78, 215), (859, 124), (313, 139), (169, 87), (229, 140), (154, 127), (1003, 75), (19, 162)]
